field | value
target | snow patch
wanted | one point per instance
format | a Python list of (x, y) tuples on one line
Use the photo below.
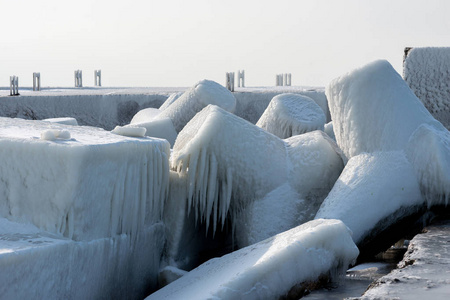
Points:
[(55, 134), (131, 131)]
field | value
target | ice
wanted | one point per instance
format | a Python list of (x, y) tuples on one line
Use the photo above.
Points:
[(145, 115), (328, 129), (36, 264), (373, 192), (54, 134), (230, 163), (269, 269), (195, 99), (170, 100), (66, 121), (291, 114), (131, 131), (159, 128), (373, 109), (95, 185), (427, 72)]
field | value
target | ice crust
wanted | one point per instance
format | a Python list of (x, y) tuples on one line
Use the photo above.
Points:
[(65, 120), (230, 163), (95, 185), (170, 100), (195, 99), (371, 188), (145, 115), (291, 114), (159, 128), (269, 269), (427, 72), (131, 131)]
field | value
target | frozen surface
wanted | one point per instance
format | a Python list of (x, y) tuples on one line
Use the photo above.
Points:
[(291, 114), (203, 93), (170, 100), (269, 269), (131, 131), (159, 128), (145, 115), (95, 184), (372, 188), (427, 72), (230, 163), (424, 272), (66, 121), (373, 109), (328, 129), (36, 264)]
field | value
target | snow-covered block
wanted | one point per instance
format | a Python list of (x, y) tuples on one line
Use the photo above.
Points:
[(427, 72), (272, 268), (373, 193), (195, 99), (291, 114), (170, 100), (429, 152), (36, 264), (230, 163), (145, 115), (159, 128), (96, 184), (64, 120), (373, 109)]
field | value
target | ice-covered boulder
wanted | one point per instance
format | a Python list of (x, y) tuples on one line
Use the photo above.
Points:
[(145, 115), (291, 114), (372, 196), (195, 99), (328, 129), (373, 109), (427, 72), (270, 269), (95, 184), (159, 128), (170, 100), (64, 120), (235, 171)]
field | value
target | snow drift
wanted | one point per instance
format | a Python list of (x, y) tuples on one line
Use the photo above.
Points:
[(427, 72), (195, 99), (291, 114), (270, 269), (230, 163)]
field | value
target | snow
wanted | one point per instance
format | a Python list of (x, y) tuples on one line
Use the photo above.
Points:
[(269, 269), (195, 99), (427, 72), (368, 103), (328, 129), (132, 131), (291, 114), (54, 134), (230, 163), (36, 264), (372, 188), (159, 128), (170, 100), (65, 120), (145, 115), (59, 185)]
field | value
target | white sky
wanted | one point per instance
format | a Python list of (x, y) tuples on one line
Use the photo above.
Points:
[(179, 42)]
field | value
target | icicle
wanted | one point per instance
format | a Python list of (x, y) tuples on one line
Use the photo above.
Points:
[(191, 175), (223, 202), (229, 187), (204, 185), (211, 188), (216, 196)]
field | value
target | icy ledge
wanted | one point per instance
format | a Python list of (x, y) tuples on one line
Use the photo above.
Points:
[(271, 268)]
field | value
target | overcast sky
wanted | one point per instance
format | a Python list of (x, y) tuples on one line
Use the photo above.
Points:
[(177, 43)]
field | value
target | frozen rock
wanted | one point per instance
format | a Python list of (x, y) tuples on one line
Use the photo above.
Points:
[(328, 129), (195, 99), (170, 100), (270, 269), (145, 115), (427, 72), (66, 121), (95, 185), (291, 114), (131, 131), (159, 128)]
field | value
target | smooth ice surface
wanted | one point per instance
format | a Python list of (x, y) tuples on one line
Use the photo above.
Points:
[(373, 109), (195, 99), (66, 121), (269, 269), (145, 115), (291, 114), (159, 128), (131, 131), (423, 273), (230, 163), (328, 129), (96, 184), (35, 264), (170, 100), (427, 72), (371, 188)]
